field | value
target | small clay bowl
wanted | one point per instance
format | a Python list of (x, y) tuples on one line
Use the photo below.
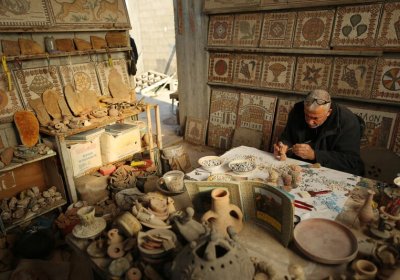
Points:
[(211, 163), (242, 167)]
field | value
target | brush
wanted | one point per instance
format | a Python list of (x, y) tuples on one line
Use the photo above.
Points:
[(307, 142)]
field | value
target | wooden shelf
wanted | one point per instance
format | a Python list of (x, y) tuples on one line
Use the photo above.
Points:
[(65, 54), (15, 165), (356, 52)]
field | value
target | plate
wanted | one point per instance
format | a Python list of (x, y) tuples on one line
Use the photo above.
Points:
[(168, 192), (325, 241), (90, 231)]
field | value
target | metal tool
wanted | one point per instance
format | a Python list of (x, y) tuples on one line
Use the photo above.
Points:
[(302, 205), (315, 193), (291, 148)]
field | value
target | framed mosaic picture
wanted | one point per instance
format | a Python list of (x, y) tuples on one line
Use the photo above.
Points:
[(220, 68), (196, 130), (257, 112), (389, 29), (223, 116), (313, 29), (103, 71), (353, 76), (10, 101), (356, 25), (82, 75), (277, 30), (312, 73), (220, 30), (278, 72), (247, 28), (247, 69), (387, 80)]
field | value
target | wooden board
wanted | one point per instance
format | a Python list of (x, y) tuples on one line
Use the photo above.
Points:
[(50, 101), (278, 72), (117, 39), (247, 69), (220, 30), (41, 113), (278, 30), (312, 73), (246, 30), (82, 45), (74, 102), (65, 45), (10, 47), (29, 46), (212, 5), (220, 67)]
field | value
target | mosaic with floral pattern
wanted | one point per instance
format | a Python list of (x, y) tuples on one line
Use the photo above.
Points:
[(247, 29), (83, 76), (278, 29), (220, 67), (220, 30), (389, 29), (278, 72), (387, 80), (312, 73), (247, 69)]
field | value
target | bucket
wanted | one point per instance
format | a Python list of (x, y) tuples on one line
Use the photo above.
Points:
[(173, 151)]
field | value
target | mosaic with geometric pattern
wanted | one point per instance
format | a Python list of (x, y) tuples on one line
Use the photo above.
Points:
[(103, 70), (220, 68), (10, 101), (247, 69), (313, 29), (278, 72), (387, 80), (257, 112), (223, 115), (247, 29), (395, 145), (34, 81), (278, 29), (389, 29), (312, 73), (220, 30), (196, 130), (83, 76), (353, 76), (356, 25)]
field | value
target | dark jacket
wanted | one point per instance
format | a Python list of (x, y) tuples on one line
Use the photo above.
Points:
[(336, 142)]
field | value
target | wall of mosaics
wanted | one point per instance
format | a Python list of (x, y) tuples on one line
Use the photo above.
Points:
[(264, 55)]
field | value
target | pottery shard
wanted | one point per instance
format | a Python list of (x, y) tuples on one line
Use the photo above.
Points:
[(98, 42), (73, 100), (117, 87), (90, 99), (41, 113), (7, 155), (65, 45), (116, 39), (28, 127), (82, 45), (29, 47), (10, 47), (50, 101), (65, 111)]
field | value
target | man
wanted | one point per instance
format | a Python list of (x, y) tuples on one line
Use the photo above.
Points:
[(321, 131)]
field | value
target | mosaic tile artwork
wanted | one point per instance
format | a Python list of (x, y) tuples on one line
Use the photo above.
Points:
[(257, 112), (10, 101), (223, 115), (247, 69), (395, 146), (278, 72), (312, 73), (220, 68), (389, 29), (313, 29), (210, 5), (356, 25), (103, 71), (278, 29), (33, 82), (387, 80), (196, 130), (83, 76), (247, 29), (220, 30), (282, 112), (379, 126), (353, 76)]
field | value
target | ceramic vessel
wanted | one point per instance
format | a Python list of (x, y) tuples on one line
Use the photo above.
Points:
[(213, 257), (116, 250), (189, 228), (118, 267), (366, 213), (364, 269), (129, 224), (174, 180), (133, 274), (90, 226), (114, 236), (222, 213)]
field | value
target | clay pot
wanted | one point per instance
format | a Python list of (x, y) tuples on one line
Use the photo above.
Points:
[(364, 269), (86, 215), (133, 274), (114, 236), (366, 213), (116, 250), (129, 224), (222, 213)]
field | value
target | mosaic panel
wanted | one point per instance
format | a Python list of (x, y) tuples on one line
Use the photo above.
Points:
[(313, 29), (223, 115), (257, 112), (196, 130), (353, 76), (33, 82), (278, 72), (387, 80), (356, 25), (220, 30), (379, 126), (220, 67), (247, 29), (312, 73), (278, 29), (83, 76), (10, 101), (247, 69), (103, 71), (389, 30), (395, 146)]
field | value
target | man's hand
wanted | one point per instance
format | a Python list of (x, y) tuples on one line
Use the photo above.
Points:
[(280, 150), (304, 151)]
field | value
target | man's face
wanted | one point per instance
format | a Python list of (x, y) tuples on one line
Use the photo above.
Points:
[(316, 117)]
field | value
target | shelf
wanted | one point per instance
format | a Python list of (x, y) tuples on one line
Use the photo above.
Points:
[(16, 165), (66, 54), (373, 53)]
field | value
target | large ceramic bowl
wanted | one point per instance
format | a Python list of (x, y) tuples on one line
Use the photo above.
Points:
[(242, 166), (211, 163)]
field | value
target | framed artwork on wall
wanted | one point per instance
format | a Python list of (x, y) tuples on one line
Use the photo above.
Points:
[(387, 80), (278, 72), (220, 30), (389, 29), (312, 73), (277, 30), (220, 67), (247, 28), (247, 69)]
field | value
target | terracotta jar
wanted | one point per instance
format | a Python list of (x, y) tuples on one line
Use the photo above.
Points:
[(133, 274), (366, 213), (114, 236), (364, 269), (222, 213)]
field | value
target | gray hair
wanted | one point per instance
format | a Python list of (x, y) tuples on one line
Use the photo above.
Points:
[(315, 96)]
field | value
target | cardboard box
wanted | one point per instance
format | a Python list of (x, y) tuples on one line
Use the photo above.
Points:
[(119, 141), (85, 156)]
